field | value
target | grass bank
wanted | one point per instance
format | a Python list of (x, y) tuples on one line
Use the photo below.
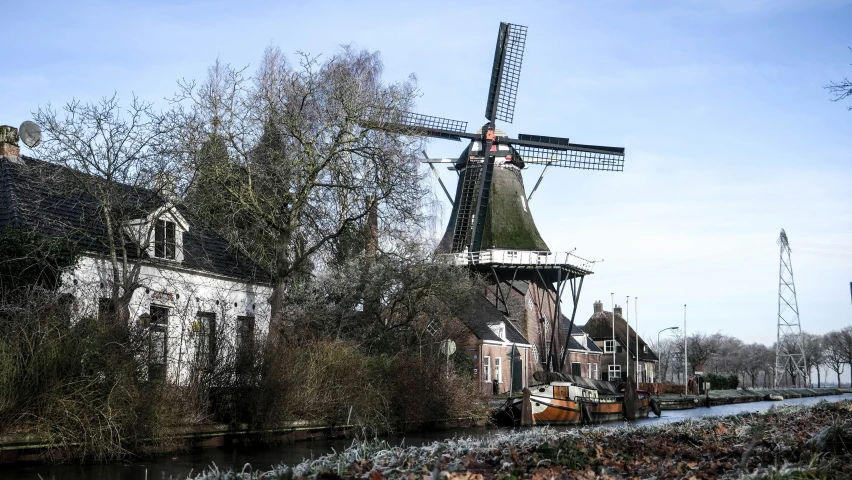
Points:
[(787, 442)]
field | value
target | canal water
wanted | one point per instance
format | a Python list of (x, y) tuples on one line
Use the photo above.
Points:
[(179, 465)]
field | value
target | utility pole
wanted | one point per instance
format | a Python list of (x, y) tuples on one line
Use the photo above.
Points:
[(659, 348), (789, 347), (685, 363), (636, 331)]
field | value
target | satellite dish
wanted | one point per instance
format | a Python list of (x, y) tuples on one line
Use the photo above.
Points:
[(448, 347), (30, 133)]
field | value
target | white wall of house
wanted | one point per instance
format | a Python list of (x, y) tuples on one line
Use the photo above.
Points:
[(184, 293)]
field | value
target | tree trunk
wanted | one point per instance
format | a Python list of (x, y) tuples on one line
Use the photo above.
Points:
[(279, 288)]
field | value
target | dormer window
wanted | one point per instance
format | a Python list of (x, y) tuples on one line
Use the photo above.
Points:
[(499, 329), (160, 233), (164, 239)]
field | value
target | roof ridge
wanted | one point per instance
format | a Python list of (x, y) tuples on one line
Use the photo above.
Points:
[(137, 188)]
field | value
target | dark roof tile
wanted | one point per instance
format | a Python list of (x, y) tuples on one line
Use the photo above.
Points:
[(35, 194), (484, 315), (599, 327)]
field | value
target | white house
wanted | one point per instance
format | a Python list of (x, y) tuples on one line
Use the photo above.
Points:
[(196, 297)]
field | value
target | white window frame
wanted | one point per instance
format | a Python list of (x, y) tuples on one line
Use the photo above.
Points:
[(614, 369), (596, 377), (589, 370), (486, 369), (609, 346), (499, 329), (164, 244), (498, 369)]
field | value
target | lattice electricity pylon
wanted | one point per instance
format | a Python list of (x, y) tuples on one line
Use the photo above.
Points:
[(790, 347)]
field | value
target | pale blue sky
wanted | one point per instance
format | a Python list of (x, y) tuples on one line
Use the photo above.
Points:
[(729, 133)]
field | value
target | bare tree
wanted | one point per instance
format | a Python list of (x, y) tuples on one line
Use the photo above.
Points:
[(814, 354), (834, 353), (756, 360), (113, 156), (295, 161), (840, 89), (701, 348), (665, 351)]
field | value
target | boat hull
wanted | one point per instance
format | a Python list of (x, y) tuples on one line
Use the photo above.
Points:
[(552, 405)]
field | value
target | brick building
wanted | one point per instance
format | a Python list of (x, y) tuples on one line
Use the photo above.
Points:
[(600, 329)]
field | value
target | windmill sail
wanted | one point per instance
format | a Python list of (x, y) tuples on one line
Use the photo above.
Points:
[(418, 124), (584, 157), (506, 72)]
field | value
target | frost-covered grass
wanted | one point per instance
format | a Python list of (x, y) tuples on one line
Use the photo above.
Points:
[(770, 444)]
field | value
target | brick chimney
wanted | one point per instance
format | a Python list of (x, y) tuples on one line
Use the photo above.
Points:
[(598, 307), (9, 142), (618, 310)]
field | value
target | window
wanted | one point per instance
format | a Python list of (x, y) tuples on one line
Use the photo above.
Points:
[(589, 370), (576, 369), (245, 344), (535, 353), (614, 372), (433, 328), (486, 369), (164, 239), (158, 329), (596, 372), (205, 344), (106, 309), (498, 369), (609, 346), (499, 329)]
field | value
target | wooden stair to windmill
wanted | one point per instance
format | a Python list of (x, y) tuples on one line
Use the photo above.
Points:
[(466, 198)]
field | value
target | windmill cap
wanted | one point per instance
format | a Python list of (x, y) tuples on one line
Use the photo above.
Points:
[(497, 131)]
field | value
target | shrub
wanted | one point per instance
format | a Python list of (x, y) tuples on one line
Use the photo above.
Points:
[(76, 386), (334, 382), (722, 382)]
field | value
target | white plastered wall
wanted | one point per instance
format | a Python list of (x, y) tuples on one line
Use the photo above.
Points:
[(185, 293)]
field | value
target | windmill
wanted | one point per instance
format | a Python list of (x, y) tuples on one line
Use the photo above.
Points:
[(491, 229)]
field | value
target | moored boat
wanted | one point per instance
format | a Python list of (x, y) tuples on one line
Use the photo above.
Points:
[(571, 403)]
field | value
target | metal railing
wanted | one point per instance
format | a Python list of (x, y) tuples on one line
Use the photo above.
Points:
[(518, 257)]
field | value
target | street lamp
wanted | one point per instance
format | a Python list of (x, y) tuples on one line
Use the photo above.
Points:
[(658, 345)]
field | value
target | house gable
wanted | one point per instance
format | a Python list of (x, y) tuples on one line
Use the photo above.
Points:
[(600, 326)]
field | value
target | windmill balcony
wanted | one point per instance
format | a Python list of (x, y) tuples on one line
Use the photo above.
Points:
[(519, 258)]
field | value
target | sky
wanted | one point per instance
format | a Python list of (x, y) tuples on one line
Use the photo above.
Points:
[(729, 132)]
